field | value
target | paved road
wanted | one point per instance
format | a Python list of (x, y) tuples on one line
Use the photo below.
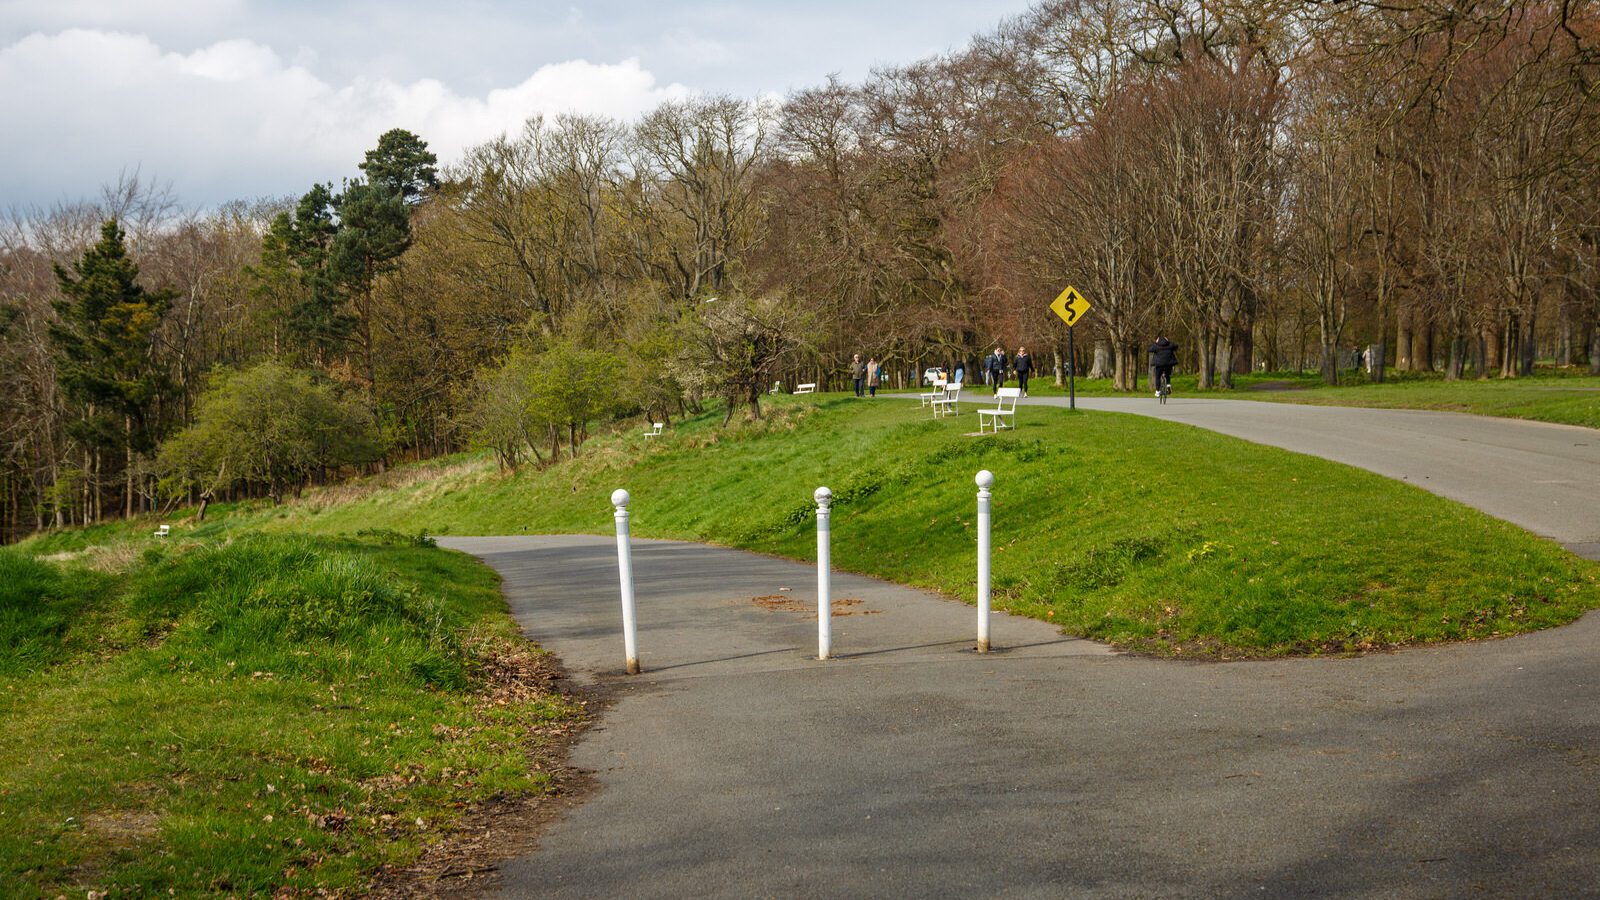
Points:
[(736, 766), (1543, 477)]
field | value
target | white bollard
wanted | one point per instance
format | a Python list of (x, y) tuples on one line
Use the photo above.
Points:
[(630, 641), (985, 481), (824, 498)]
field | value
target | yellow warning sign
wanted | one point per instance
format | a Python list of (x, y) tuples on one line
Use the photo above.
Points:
[(1070, 306)]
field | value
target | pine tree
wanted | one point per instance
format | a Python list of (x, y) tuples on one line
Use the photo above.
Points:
[(105, 341), (403, 164)]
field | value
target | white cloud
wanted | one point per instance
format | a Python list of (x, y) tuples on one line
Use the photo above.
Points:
[(236, 119)]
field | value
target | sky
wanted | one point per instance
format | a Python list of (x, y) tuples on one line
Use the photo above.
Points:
[(244, 99)]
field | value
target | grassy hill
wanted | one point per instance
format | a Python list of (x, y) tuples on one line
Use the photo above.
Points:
[(235, 717), (1564, 396), (1144, 534), (281, 694)]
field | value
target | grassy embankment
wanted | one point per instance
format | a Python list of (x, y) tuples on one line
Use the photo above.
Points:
[(1132, 531), (235, 717), (1568, 398)]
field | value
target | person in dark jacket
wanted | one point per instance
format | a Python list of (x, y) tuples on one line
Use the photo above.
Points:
[(994, 366), (1163, 356), (1024, 366), (858, 372)]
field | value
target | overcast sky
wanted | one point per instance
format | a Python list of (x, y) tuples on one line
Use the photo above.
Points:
[(234, 99)]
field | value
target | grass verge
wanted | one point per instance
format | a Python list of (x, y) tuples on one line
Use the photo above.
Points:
[(1568, 399), (1136, 532), (270, 713), (1561, 396)]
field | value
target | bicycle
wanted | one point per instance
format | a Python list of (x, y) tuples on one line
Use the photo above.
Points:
[(1163, 387)]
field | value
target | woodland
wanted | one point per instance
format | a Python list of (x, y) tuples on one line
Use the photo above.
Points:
[(1276, 185)]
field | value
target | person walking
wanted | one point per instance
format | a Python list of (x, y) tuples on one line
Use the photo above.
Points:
[(858, 372), (1163, 356), (874, 376), (995, 367), (1024, 365)]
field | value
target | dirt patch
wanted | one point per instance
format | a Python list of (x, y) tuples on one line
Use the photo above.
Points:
[(466, 863), (122, 827), (844, 606)]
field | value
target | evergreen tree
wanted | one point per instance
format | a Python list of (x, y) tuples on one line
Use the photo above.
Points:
[(104, 343), (319, 321), (374, 229), (403, 164)]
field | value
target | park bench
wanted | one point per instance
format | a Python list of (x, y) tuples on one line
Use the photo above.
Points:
[(947, 402), (927, 397), (1005, 411), (163, 531), (806, 388), (654, 431)]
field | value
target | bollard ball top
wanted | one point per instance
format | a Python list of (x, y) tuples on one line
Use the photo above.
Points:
[(823, 496), (985, 479), (619, 498)]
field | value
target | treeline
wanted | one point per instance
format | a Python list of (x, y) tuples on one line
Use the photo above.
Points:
[(1275, 185)]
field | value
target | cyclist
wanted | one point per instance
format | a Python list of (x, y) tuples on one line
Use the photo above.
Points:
[(1163, 356)]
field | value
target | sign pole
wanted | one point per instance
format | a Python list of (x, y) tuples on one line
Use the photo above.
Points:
[(1071, 306), (1072, 371)]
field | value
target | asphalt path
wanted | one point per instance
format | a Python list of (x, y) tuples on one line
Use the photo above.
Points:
[(1541, 476), (737, 765)]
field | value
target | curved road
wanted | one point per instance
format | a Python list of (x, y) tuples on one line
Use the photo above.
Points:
[(738, 766)]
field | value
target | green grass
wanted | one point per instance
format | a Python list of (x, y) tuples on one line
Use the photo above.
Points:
[(1128, 530), (1569, 399), (231, 718)]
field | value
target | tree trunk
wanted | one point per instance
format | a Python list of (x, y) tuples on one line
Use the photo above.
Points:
[(1206, 351), (1422, 350), (1102, 360), (1244, 350), (1564, 337), (1225, 358), (1512, 330), (1529, 343), (1458, 357), (1402, 340)]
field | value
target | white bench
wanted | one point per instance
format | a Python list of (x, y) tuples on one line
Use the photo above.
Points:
[(1005, 411), (933, 396), (655, 430), (947, 402), (163, 531), (806, 388)]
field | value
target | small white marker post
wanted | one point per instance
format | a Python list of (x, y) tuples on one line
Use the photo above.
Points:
[(985, 481), (824, 498), (630, 640)]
